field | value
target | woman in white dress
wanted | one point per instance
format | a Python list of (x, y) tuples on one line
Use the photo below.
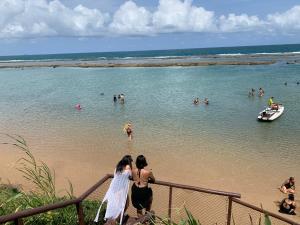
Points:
[(117, 193)]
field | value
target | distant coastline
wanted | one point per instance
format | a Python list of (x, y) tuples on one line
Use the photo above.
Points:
[(244, 55)]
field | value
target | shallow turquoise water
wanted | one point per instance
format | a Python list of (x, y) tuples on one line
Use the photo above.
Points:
[(156, 97), (223, 136)]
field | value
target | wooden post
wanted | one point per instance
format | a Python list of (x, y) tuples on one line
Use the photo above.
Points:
[(170, 203), (229, 210), (80, 213), (19, 221)]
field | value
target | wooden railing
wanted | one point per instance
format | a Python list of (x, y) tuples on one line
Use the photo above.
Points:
[(18, 217)]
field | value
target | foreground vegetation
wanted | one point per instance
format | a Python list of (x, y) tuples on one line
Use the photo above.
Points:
[(14, 199)]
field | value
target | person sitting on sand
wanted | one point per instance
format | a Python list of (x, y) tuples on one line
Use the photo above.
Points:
[(288, 186), (141, 194), (273, 105), (206, 101), (117, 193), (288, 205), (196, 101)]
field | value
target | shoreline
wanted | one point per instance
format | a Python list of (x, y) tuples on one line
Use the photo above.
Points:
[(92, 64)]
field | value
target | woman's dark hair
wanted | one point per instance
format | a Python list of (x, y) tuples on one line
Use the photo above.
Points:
[(291, 197), (126, 160), (141, 162)]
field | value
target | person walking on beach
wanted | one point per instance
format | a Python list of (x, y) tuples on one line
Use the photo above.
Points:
[(288, 186), (128, 130), (141, 194), (117, 193)]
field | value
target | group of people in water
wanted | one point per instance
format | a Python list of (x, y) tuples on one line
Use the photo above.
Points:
[(261, 92), (117, 193), (197, 101), (288, 204), (121, 98)]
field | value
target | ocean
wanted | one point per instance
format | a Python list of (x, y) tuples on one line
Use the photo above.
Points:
[(158, 54), (219, 146)]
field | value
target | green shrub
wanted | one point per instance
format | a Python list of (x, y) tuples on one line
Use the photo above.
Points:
[(14, 199)]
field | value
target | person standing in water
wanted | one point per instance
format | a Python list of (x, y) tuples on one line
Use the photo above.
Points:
[(261, 92), (206, 101), (128, 130)]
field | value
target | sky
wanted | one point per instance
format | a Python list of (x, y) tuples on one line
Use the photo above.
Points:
[(70, 26)]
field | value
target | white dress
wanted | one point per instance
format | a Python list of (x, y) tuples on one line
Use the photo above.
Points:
[(116, 196)]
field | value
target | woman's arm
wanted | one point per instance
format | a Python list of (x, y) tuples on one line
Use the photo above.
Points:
[(151, 177)]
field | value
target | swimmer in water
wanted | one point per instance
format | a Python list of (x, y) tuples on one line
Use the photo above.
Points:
[(196, 101), (206, 101), (128, 130), (78, 107)]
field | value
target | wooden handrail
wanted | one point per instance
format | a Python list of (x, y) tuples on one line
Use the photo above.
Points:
[(38, 210), (77, 201), (95, 186), (198, 189), (238, 201)]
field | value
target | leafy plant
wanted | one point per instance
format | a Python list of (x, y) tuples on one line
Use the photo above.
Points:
[(13, 199), (189, 220)]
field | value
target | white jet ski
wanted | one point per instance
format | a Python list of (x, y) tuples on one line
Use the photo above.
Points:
[(270, 114)]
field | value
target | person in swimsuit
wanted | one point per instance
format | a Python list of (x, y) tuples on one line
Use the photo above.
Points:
[(288, 186), (141, 194), (128, 130), (288, 205)]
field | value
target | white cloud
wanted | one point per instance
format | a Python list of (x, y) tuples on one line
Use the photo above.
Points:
[(130, 19), (181, 16), (243, 22), (34, 18), (289, 20), (40, 18)]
